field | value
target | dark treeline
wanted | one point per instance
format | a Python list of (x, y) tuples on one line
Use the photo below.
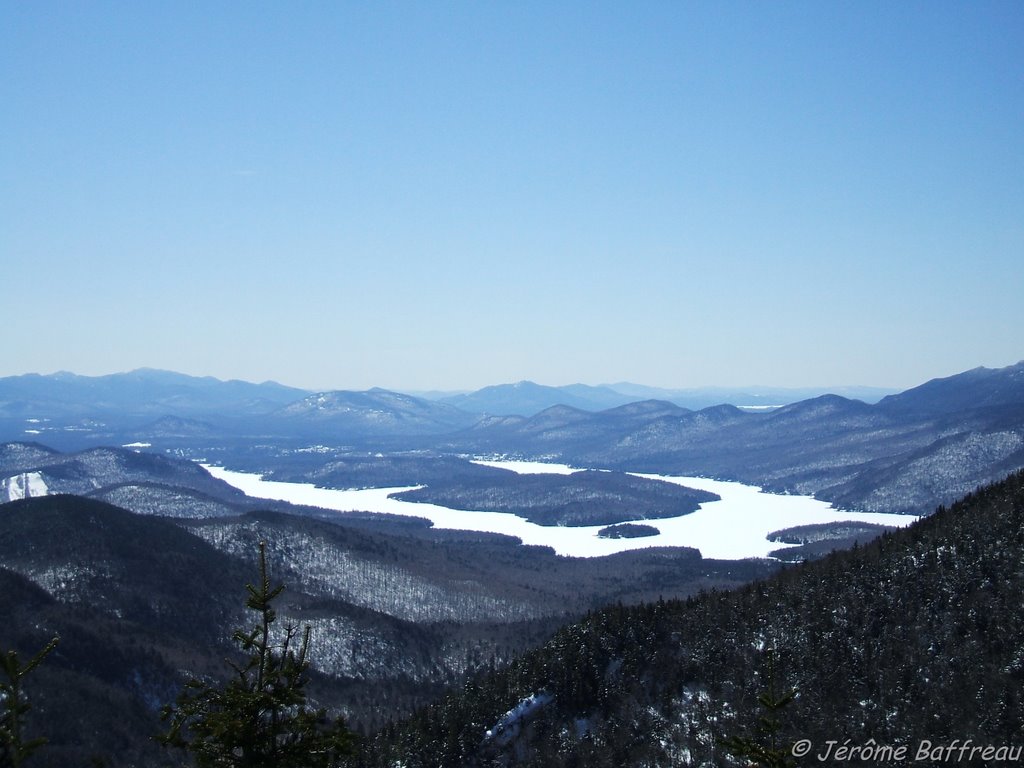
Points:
[(142, 603), (912, 638)]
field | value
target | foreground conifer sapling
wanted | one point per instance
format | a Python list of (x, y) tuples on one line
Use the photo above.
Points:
[(259, 716)]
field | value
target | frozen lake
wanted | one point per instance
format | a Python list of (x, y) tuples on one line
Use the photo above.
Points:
[(731, 529)]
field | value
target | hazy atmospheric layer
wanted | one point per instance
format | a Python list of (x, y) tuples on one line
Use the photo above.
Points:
[(731, 529)]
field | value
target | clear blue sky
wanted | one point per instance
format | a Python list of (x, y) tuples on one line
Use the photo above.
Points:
[(447, 195)]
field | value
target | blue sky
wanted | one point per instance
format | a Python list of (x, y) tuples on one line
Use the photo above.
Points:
[(445, 195)]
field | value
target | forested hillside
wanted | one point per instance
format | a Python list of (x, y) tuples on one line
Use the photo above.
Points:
[(918, 636), (914, 636), (581, 498), (135, 601), (141, 602)]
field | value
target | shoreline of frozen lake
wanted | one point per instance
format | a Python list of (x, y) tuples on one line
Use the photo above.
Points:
[(731, 529)]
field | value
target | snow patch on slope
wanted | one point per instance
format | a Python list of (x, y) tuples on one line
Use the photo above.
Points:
[(23, 486), (510, 724)]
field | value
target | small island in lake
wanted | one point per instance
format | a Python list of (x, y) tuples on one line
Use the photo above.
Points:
[(628, 531), (579, 499)]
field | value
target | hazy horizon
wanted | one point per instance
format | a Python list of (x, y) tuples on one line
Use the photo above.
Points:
[(622, 386), (449, 196), (467, 389)]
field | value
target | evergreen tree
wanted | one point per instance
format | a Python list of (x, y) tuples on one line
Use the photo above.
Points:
[(768, 749), (259, 717), (14, 748)]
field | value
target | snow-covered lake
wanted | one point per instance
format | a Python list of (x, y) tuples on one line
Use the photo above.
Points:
[(731, 529)]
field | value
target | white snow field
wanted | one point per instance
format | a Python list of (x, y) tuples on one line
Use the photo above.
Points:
[(23, 486), (731, 529)]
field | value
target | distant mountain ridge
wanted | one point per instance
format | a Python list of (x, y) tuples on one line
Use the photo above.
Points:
[(71, 411), (148, 394), (377, 411), (906, 453), (526, 398), (697, 398), (145, 390), (976, 388)]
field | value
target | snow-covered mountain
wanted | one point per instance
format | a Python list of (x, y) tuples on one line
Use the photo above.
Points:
[(136, 480), (374, 412)]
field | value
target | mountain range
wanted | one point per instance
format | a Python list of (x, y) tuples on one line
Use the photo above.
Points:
[(526, 398), (906, 453), (145, 399), (143, 392)]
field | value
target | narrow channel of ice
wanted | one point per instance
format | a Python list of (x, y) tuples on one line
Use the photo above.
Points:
[(528, 467)]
